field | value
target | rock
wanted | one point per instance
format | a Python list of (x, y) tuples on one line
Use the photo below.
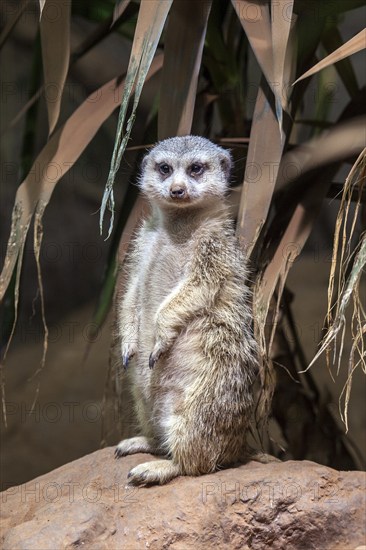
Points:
[(292, 505)]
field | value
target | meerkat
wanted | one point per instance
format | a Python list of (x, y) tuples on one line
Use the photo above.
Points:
[(185, 320)]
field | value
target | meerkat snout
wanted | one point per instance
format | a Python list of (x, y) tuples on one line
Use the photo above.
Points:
[(178, 191)]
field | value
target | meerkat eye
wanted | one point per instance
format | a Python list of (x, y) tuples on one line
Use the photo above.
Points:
[(165, 169), (196, 169)]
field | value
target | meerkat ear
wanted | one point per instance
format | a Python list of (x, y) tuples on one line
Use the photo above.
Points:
[(142, 170), (144, 162), (226, 163)]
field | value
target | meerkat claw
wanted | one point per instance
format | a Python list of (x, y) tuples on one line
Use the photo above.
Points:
[(153, 359), (125, 360), (157, 352), (128, 352)]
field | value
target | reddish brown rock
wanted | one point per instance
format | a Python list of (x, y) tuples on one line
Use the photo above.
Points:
[(292, 505)]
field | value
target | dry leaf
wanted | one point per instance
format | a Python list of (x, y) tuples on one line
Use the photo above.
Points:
[(263, 160), (349, 278), (181, 66), (119, 10), (337, 144), (41, 6), (55, 159), (55, 39), (150, 22), (266, 139), (298, 229), (353, 45), (13, 21), (281, 11), (256, 21)]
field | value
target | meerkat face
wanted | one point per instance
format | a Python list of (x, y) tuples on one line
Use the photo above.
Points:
[(182, 171)]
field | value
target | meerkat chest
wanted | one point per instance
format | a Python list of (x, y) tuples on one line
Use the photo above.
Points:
[(164, 264)]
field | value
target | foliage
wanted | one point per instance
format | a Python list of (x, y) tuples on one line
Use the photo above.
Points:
[(206, 56)]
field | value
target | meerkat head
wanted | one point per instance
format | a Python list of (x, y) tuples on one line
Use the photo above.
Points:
[(184, 171)]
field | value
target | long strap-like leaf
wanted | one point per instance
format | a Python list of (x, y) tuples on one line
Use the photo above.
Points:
[(338, 144), (12, 21), (270, 42), (264, 155), (301, 222), (183, 46), (268, 32), (282, 18), (176, 106), (256, 21), (353, 45), (59, 155), (90, 41), (55, 38), (151, 19)]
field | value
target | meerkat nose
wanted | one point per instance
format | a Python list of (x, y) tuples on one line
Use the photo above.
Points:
[(177, 191)]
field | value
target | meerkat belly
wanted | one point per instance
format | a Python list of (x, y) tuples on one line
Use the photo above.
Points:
[(159, 275), (162, 275)]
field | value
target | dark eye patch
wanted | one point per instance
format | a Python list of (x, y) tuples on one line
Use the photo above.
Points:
[(165, 169), (196, 169)]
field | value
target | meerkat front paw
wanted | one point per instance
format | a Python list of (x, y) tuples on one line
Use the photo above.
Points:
[(127, 351), (164, 339), (155, 355), (159, 348), (153, 473)]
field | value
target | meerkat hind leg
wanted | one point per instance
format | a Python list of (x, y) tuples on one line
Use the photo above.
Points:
[(134, 445), (153, 473)]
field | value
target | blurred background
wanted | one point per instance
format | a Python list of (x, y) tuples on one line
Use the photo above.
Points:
[(66, 420)]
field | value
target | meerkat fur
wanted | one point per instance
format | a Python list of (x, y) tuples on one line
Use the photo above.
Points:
[(185, 320)]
